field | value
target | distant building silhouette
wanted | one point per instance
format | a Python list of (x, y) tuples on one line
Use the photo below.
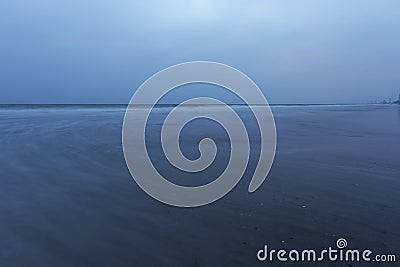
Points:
[(398, 101)]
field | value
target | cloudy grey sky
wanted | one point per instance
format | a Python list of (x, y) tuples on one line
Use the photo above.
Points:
[(296, 51)]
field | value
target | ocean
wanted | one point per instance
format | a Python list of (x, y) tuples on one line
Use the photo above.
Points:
[(68, 199)]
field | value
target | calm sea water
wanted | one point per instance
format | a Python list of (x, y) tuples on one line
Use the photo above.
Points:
[(67, 198)]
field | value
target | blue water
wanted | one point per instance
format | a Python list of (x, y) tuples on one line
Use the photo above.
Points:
[(67, 198)]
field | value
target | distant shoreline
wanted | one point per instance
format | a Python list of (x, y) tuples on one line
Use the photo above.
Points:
[(171, 105)]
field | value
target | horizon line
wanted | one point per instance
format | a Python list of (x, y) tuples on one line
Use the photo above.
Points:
[(175, 104)]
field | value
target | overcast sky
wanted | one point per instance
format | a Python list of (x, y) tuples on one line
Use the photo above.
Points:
[(296, 51)]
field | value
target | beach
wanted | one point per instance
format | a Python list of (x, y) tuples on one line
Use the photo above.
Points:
[(68, 199)]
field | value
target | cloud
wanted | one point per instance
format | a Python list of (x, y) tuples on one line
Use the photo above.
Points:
[(297, 51)]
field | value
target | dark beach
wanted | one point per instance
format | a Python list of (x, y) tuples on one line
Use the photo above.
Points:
[(67, 198)]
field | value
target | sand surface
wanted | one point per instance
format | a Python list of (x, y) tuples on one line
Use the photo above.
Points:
[(67, 198)]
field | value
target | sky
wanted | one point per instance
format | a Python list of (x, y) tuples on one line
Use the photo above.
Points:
[(296, 51)]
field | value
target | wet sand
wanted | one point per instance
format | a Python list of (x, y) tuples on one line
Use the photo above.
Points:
[(67, 198)]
